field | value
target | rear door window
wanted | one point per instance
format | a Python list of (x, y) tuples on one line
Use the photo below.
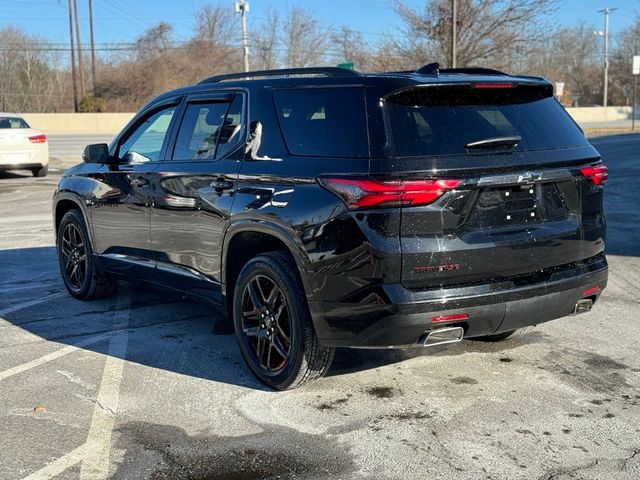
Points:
[(199, 131), (323, 122), (443, 120)]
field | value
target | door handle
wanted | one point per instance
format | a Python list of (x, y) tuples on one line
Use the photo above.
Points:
[(140, 182), (221, 184)]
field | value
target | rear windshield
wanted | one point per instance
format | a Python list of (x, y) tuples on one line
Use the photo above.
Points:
[(444, 120), (323, 122), (12, 122)]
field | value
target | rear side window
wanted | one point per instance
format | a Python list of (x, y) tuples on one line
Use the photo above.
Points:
[(323, 122), (12, 122), (443, 120)]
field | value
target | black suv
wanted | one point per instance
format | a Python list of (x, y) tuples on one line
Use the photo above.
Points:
[(324, 208)]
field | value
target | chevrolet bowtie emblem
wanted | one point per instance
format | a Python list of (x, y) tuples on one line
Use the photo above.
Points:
[(529, 177)]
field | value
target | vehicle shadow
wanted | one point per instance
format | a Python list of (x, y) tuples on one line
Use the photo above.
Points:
[(164, 330)]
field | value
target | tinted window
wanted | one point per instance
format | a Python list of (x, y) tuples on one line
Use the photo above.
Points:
[(231, 132), (199, 131), (12, 122), (145, 142), (329, 122), (426, 121)]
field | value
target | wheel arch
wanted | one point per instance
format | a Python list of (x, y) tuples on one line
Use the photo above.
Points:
[(247, 239), (66, 201)]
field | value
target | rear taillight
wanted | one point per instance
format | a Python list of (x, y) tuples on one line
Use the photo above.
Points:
[(38, 139), (392, 193), (597, 174)]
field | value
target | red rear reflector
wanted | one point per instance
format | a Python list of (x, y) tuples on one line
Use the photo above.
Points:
[(597, 174), (38, 139), (373, 193), (449, 318), (493, 85), (591, 291)]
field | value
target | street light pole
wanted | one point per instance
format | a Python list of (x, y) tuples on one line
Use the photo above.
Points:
[(93, 49), (606, 12), (73, 60), (242, 7), (454, 33)]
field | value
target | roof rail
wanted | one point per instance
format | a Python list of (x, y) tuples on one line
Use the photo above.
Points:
[(474, 71), (285, 72)]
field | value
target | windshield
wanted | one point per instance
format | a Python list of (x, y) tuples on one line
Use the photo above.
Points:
[(449, 120), (12, 122)]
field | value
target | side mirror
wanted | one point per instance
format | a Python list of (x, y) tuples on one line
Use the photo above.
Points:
[(96, 153)]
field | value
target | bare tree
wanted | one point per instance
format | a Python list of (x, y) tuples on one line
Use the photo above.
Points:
[(626, 46), (31, 79), (305, 38), (264, 42), (488, 30), (215, 25)]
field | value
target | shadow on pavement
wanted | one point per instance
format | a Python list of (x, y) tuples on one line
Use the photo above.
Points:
[(165, 330)]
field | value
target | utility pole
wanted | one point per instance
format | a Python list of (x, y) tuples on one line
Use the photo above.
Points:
[(93, 49), (606, 12), (80, 66), (73, 60), (454, 32), (242, 7)]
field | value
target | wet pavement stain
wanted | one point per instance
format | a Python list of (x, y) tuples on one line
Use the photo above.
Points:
[(381, 392), (332, 405), (160, 452), (464, 381)]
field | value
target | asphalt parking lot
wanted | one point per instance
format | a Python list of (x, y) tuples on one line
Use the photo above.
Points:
[(148, 385)]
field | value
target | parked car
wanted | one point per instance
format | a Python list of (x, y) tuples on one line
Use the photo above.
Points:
[(324, 208), (22, 147)]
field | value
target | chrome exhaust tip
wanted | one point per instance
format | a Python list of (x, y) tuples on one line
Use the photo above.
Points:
[(443, 335), (583, 306)]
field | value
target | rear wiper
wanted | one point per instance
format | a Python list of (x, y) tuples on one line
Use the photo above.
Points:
[(510, 141)]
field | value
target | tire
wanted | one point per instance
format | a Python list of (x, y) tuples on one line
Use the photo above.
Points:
[(40, 172), (497, 337), (274, 329), (86, 281)]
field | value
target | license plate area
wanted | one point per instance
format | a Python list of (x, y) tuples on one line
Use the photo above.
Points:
[(504, 206)]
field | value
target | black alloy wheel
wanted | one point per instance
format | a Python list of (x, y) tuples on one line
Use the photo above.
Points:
[(74, 256), (81, 274), (266, 323), (273, 325)]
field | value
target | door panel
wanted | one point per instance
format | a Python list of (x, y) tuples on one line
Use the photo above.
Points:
[(192, 194), (121, 206)]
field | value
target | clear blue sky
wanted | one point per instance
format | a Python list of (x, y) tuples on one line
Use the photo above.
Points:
[(123, 21)]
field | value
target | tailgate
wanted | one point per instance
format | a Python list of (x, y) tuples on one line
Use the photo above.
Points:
[(513, 227), (521, 205)]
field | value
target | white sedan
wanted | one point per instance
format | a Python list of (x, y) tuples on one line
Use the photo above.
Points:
[(22, 147)]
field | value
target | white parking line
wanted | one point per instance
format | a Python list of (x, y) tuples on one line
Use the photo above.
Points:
[(94, 453), (52, 356), (58, 466), (31, 303), (95, 464)]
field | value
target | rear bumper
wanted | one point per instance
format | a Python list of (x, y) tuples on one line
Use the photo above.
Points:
[(36, 158), (393, 316), (20, 166)]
